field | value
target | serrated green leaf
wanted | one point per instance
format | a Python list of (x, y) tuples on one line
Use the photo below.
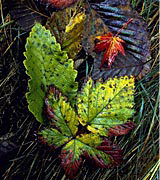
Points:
[(46, 64), (64, 116), (54, 137), (106, 104), (64, 120)]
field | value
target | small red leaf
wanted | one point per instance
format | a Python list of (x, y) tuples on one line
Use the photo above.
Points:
[(121, 129), (111, 44), (59, 4), (69, 164)]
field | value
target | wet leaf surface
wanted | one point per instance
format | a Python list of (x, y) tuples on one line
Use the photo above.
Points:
[(114, 15), (27, 12), (67, 26)]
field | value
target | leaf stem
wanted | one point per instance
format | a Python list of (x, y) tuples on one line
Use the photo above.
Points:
[(124, 26)]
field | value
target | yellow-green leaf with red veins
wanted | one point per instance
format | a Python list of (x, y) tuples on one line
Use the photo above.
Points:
[(105, 105)]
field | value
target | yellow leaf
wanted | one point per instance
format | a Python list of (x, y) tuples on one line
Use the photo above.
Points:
[(78, 19)]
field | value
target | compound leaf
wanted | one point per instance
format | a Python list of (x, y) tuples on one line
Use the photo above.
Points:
[(106, 104), (46, 64), (92, 147), (102, 108)]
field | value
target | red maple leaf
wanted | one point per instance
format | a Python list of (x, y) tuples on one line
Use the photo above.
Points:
[(111, 44)]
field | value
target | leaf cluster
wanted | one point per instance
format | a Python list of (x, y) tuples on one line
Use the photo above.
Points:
[(79, 122)]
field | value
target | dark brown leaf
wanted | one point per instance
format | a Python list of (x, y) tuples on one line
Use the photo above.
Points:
[(114, 14), (93, 26), (27, 12)]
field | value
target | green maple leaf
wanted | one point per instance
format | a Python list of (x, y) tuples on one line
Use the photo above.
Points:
[(46, 64)]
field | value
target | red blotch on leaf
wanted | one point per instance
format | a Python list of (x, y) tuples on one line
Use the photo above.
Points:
[(121, 129), (70, 165), (114, 152)]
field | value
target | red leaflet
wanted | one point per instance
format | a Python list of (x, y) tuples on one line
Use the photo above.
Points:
[(59, 4), (121, 129), (70, 164), (112, 45)]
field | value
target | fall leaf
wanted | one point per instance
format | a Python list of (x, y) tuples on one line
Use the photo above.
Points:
[(63, 133), (67, 26), (58, 4), (112, 44), (46, 64), (113, 14), (106, 105), (82, 132)]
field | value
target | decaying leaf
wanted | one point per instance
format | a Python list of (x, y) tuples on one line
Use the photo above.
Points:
[(67, 26), (73, 36), (46, 64), (94, 26), (114, 14), (27, 12)]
